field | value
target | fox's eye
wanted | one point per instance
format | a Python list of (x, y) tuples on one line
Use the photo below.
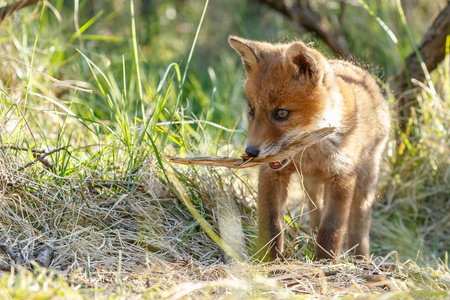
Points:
[(251, 111), (282, 114)]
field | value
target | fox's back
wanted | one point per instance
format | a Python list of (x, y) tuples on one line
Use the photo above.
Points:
[(364, 126), (360, 86)]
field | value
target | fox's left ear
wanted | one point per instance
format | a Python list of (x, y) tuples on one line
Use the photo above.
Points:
[(247, 49), (304, 62)]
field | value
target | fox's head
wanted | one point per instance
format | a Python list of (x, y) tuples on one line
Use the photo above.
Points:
[(290, 89)]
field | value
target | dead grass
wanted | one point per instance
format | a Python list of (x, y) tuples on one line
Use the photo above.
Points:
[(130, 237), (195, 280)]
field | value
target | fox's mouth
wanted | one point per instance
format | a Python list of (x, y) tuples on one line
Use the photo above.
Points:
[(278, 165)]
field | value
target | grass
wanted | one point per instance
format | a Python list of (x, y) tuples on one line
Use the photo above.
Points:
[(124, 223), (196, 280)]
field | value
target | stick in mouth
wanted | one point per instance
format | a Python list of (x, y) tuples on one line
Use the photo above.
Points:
[(276, 161)]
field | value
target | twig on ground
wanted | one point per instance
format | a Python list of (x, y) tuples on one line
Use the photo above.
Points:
[(17, 259), (41, 157), (24, 149), (8, 252), (42, 256), (10, 9)]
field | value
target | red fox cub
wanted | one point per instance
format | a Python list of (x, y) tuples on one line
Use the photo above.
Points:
[(293, 88)]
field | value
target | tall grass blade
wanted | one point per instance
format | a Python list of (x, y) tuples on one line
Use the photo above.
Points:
[(181, 192), (135, 52), (191, 52), (381, 22), (413, 45)]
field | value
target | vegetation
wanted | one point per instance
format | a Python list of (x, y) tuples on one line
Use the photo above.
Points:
[(82, 166)]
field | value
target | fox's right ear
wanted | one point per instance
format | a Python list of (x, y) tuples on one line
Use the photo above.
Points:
[(304, 62), (247, 50)]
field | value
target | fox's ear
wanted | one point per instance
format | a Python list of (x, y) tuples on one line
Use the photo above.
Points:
[(247, 50), (305, 64)]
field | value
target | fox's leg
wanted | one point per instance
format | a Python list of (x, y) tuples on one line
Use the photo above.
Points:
[(338, 199), (361, 212), (314, 189), (359, 224), (272, 193)]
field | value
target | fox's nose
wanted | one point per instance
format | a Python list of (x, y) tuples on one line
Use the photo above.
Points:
[(252, 151)]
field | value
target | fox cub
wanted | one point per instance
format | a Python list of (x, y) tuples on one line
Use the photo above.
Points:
[(293, 88)]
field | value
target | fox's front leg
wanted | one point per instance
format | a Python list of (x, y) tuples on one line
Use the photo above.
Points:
[(272, 193), (338, 199)]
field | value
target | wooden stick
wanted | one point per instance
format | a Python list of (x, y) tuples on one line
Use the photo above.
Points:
[(41, 157), (288, 150), (23, 149), (10, 9)]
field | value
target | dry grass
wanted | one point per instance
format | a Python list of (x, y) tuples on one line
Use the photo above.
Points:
[(131, 237)]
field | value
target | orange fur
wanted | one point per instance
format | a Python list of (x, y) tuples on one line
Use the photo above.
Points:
[(341, 171)]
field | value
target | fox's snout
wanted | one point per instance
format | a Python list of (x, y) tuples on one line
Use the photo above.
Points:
[(252, 151)]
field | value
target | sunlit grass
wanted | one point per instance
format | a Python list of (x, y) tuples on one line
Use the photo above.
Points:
[(112, 203)]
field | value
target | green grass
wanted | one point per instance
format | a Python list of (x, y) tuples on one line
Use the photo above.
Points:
[(122, 220)]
